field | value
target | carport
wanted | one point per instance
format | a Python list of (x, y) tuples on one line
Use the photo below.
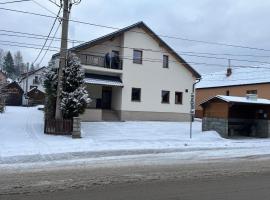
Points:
[(233, 116)]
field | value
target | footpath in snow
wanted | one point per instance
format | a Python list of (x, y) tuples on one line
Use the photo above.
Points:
[(23, 140)]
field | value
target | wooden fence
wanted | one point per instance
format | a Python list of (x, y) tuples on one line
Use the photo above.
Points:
[(58, 127)]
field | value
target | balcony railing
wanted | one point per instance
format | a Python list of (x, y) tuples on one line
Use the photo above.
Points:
[(101, 61)]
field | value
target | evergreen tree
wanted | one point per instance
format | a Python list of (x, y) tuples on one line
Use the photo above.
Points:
[(8, 65), (50, 85), (2, 54), (18, 63), (74, 97)]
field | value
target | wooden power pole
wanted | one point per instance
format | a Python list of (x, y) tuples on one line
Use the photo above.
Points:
[(63, 56)]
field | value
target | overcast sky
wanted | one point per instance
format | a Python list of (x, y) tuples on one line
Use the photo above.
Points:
[(240, 22)]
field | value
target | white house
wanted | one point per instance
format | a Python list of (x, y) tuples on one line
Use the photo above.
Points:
[(132, 74), (32, 85)]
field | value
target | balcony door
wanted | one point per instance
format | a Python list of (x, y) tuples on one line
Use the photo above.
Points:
[(106, 98)]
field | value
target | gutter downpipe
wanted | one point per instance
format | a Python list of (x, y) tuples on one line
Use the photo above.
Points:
[(192, 105)]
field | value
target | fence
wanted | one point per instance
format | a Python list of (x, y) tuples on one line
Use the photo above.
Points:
[(58, 127)]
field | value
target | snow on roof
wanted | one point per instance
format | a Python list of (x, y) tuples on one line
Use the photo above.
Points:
[(239, 76), (241, 100)]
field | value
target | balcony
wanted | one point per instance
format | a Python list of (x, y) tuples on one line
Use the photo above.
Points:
[(106, 61)]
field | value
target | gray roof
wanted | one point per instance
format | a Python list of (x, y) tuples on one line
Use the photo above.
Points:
[(97, 79)]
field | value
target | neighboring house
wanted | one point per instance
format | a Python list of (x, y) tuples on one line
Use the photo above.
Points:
[(3, 78), (237, 116), (14, 94), (132, 74), (233, 82), (33, 81)]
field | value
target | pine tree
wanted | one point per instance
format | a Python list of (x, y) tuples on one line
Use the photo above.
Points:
[(18, 63), (8, 66), (2, 54), (74, 97), (50, 85)]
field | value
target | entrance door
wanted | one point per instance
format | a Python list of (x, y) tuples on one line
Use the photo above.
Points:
[(106, 98)]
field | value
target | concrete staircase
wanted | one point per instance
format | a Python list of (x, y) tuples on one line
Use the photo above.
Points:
[(110, 115)]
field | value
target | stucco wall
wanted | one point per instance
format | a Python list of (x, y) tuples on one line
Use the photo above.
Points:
[(105, 47), (95, 92), (152, 78), (30, 82), (116, 98)]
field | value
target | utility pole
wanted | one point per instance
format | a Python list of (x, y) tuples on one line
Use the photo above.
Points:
[(26, 84), (192, 105), (63, 55)]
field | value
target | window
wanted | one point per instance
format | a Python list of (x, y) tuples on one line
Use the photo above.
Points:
[(136, 94), (35, 80), (178, 97), (165, 61), (251, 91), (137, 56), (227, 93), (186, 90), (165, 96)]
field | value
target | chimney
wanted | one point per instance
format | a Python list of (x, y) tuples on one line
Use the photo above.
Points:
[(229, 69), (252, 97)]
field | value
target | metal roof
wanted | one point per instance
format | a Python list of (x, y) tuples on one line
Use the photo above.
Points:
[(97, 79)]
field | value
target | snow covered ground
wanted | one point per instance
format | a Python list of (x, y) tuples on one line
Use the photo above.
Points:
[(22, 140)]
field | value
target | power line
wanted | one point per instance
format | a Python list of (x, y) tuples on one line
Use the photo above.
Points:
[(145, 59), (54, 22), (50, 43), (44, 7), (160, 35), (9, 2), (54, 3), (23, 43), (181, 52), (187, 53)]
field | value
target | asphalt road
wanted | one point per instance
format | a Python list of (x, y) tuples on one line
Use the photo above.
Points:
[(237, 178), (247, 187)]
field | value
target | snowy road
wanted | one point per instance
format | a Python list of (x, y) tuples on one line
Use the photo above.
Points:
[(23, 141)]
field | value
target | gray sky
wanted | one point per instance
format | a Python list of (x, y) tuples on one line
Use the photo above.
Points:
[(241, 22)]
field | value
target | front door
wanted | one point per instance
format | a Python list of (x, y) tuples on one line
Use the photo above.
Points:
[(106, 98)]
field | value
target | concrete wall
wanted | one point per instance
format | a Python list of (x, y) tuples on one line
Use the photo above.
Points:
[(152, 78), (91, 115), (263, 128), (219, 125), (153, 116)]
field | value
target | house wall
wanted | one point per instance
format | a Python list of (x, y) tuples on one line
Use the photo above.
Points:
[(3, 78), (95, 92), (105, 47), (116, 98), (31, 82), (152, 78), (206, 93)]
